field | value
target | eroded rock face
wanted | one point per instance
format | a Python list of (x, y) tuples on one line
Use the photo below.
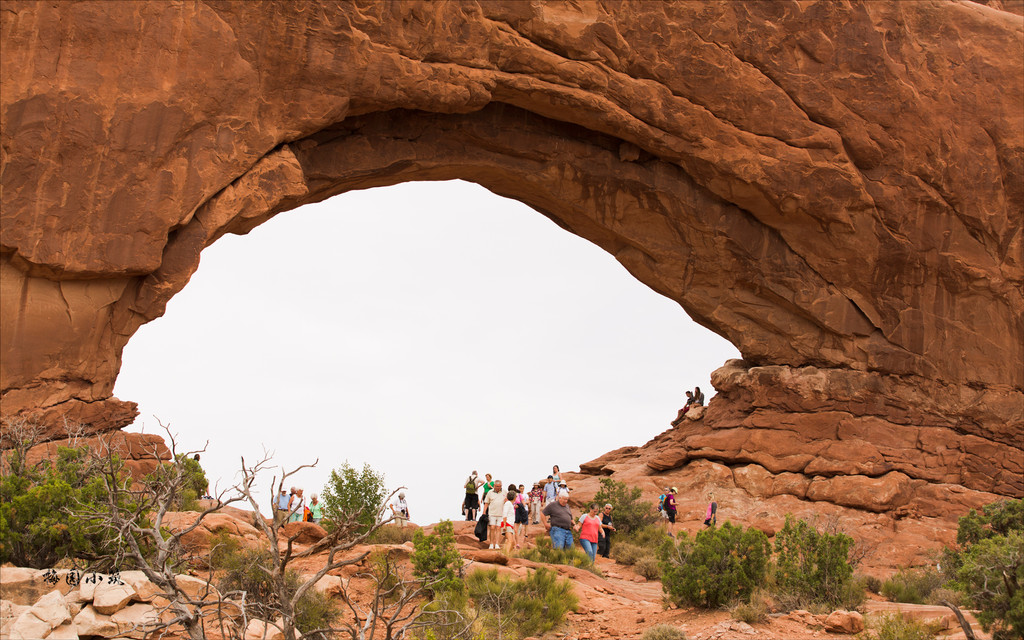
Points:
[(835, 188)]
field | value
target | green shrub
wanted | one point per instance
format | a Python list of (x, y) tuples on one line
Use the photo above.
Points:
[(223, 548), (629, 513), (517, 608), (392, 534), (913, 586), (436, 559), (988, 566), (852, 594), (992, 577), (754, 612), (896, 627), (720, 565), (663, 632), (575, 557), (873, 584), (648, 567), (191, 486), (812, 566), (51, 511), (995, 519), (644, 542), (627, 553), (353, 500)]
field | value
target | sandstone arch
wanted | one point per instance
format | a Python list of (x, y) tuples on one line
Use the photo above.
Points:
[(835, 187)]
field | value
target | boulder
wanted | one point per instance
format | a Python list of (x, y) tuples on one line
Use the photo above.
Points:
[(263, 630), (486, 556), (90, 622), (134, 620), (110, 598), (25, 586), (29, 627), (66, 631), (302, 532), (331, 585), (848, 622)]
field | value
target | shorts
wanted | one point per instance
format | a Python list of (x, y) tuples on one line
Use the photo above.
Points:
[(472, 501), (671, 515)]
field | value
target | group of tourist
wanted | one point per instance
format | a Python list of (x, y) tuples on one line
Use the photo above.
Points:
[(506, 514), (694, 398), (290, 506), (667, 509)]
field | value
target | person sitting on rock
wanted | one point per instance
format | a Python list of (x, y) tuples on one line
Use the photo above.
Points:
[(698, 397), (686, 407)]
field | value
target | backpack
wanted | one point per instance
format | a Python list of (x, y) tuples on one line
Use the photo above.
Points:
[(480, 531)]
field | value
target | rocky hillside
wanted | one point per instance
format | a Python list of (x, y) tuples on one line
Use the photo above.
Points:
[(757, 478)]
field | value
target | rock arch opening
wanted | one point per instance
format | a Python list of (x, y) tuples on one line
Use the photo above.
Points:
[(399, 326)]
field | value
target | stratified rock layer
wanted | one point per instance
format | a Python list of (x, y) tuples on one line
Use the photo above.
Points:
[(836, 188)]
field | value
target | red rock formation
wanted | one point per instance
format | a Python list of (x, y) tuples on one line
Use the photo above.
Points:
[(141, 452), (896, 520), (834, 187)]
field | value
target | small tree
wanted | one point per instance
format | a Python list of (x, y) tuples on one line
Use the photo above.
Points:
[(193, 483), (436, 559), (394, 605), (988, 567), (812, 566), (720, 565), (629, 512), (45, 507), (353, 499), (139, 525)]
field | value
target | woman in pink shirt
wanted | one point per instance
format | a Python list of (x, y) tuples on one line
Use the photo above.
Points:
[(589, 527)]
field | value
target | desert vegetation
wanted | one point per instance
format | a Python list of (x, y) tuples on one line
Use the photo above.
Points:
[(83, 510), (725, 566)]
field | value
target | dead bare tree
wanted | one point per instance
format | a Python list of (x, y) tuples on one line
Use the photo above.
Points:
[(343, 535), (138, 520), (395, 606)]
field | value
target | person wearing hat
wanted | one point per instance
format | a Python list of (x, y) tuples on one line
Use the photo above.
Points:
[(400, 510), (670, 508), (281, 507), (558, 522)]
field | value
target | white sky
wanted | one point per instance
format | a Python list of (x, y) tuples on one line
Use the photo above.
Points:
[(428, 329)]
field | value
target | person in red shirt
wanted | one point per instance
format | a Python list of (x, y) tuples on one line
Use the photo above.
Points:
[(589, 527)]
